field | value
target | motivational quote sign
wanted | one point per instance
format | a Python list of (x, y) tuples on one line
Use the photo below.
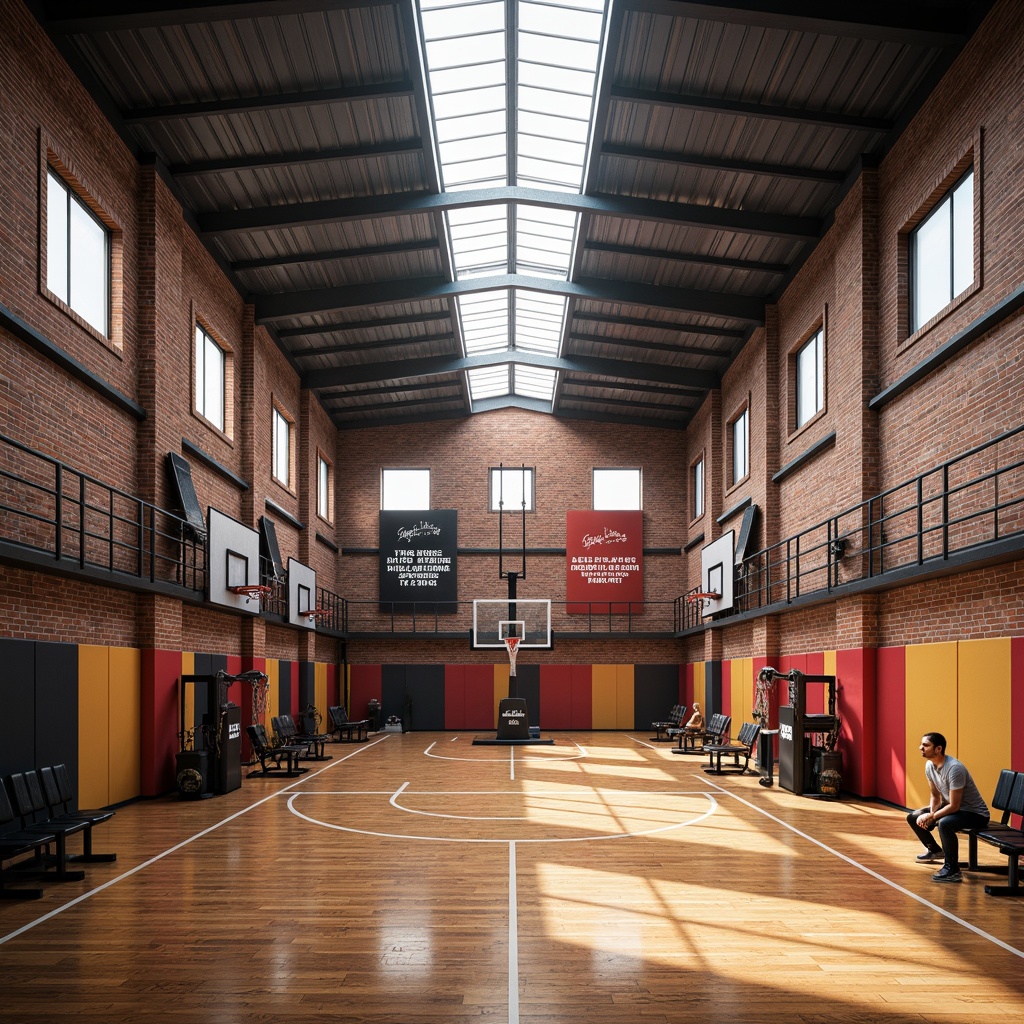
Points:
[(419, 558), (604, 562)]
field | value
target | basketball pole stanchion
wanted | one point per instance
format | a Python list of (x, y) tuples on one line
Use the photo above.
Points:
[(512, 645)]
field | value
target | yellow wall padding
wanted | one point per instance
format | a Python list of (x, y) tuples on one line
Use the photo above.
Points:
[(125, 713), (93, 726), (273, 670), (188, 668), (604, 697), (500, 687), (624, 696), (983, 710), (741, 692), (931, 707), (830, 665)]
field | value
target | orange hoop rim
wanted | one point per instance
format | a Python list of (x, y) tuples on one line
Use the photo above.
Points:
[(318, 613), (703, 595), (252, 590), (512, 644)]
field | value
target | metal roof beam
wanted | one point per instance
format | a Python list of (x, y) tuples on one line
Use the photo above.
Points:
[(687, 394), (292, 259), (742, 108), (365, 373), (631, 421), (364, 325), (269, 308), (370, 346), (897, 22), (706, 330), (405, 404), (263, 161), (282, 101), (648, 345), (715, 163), (327, 396), (73, 17), (292, 215), (700, 259)]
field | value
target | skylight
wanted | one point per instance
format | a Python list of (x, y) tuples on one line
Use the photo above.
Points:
[(512, 87)]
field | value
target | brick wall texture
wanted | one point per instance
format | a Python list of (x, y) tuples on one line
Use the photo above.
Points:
[(854, 284)]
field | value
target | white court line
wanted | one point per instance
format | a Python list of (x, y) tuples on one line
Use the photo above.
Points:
[(496, 839), (173, 849), (874, 874), (513, 938)]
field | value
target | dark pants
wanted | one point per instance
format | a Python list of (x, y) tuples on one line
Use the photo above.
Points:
[(948, 826)]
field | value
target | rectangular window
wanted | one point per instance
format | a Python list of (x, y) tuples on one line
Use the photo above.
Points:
[(740, 437), (77, 255), (282, 454), (942, 253), (404, 489), (324, 488), (617, 490), (698, 488), (511, 490), (810, 378), (210, 378)]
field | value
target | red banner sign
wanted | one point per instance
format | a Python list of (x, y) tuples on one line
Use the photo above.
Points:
[(604, 556)]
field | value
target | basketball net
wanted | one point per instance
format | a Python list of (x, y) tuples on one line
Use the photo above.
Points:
[(512, 644)]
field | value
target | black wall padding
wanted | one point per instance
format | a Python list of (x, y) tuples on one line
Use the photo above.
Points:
[(425, 685), (655, 693), (56, 720), (17, 698)]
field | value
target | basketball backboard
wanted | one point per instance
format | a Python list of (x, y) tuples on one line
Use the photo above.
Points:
[(717, 573), (301, 594), (495, 619), (233, 561)]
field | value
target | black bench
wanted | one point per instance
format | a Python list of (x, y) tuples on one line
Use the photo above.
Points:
[(14, 843), (665, 731), (270, 757), (692, 741), (288, 734), (353, 731), (742, 748), (1002, 800), (1008, 841)]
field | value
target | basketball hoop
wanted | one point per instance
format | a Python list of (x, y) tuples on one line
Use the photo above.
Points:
[(251, 591), (317, 613), (512, 646), (701, 598)]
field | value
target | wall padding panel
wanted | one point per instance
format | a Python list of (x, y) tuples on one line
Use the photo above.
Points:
[(56, 705), (125, 710), (17, 699), (93, 726), (984, 741), (890, 725), (604, 687), (931, 707)]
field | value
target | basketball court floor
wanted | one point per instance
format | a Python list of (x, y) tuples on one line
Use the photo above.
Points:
[(419, 878)]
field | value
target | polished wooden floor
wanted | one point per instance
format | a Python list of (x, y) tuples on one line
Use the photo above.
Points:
[(420, 878)]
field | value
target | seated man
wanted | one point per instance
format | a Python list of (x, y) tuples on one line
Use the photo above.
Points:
[(956, 803), (696, 722)]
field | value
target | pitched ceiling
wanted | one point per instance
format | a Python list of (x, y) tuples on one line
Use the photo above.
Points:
[(299, 138)]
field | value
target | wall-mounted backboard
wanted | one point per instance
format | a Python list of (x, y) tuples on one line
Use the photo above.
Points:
[(233, 561), (301, 594), (717, 573)]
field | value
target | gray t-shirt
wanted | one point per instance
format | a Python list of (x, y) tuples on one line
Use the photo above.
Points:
[(953, 775)]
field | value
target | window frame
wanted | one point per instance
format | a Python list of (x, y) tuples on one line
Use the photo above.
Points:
[(403, 469), (617, 469), (279, 416), (946, 201), (54, 165), (817, 338), (199, 377), (742, 415), (324, 487), (529, 473), (698, 486)]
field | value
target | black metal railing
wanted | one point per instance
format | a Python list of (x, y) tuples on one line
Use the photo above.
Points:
[(964, 505), (57, 514)]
